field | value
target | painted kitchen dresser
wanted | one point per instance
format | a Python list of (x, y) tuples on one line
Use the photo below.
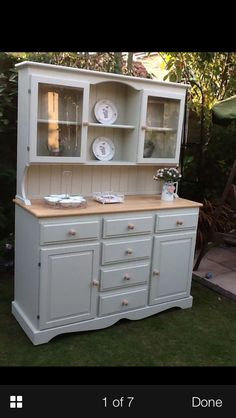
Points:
[(87, 267)]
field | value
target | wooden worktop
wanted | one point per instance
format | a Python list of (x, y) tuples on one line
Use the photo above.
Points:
[(131, 204)]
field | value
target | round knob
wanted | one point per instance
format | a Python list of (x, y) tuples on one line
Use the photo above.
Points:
[(130, 226), (126, 276), (156, 272), (125, 302), (72, 232), (95, 282), (129, 251), (179, 222)]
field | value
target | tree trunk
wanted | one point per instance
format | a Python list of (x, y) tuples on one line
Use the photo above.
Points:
[(118, 62), (130, 61)]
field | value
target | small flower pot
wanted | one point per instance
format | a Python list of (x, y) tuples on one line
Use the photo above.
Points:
[(169, 191)]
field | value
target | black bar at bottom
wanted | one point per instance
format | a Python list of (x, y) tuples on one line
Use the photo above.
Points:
[(124, 401)]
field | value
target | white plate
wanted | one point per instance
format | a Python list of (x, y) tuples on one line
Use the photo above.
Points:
[(103, 148), (105, 112), (62, 201)]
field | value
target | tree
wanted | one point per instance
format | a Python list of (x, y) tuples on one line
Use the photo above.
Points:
[(8, 114), (112, 62), (212, 78)]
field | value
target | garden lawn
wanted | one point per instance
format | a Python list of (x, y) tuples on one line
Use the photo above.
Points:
[(204, 335)]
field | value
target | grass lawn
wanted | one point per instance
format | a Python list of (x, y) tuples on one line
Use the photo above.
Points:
[(204, 335)]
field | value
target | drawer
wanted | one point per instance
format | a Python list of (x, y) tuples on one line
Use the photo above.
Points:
[(66, 231), (126, 250), (127, 226), (124, 276), (176, 221), (109, 304)]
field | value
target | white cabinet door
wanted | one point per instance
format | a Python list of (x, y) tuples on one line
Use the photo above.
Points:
[(68, 284), (172, 266), (58, 120), (161, 127)]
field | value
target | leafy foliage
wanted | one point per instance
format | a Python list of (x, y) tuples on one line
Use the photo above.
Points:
[(8, 116), (8, 93), (224, 223), (214, 73), (111, 62), (212, 78)]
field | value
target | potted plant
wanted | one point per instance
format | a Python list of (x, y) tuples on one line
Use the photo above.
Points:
[(170, 177)]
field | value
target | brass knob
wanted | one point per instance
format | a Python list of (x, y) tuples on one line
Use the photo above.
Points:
[(129, 251), (72, 232), (130, 226), (126, 276), (95, 282), (125, 302), (156, 272), (179, 222)]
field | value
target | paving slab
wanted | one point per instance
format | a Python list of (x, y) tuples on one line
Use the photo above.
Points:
[(221, 263)]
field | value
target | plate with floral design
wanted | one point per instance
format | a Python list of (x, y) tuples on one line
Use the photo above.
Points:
[(105, 112), (103, 148)]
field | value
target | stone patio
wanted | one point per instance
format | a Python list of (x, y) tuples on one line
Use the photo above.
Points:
[(220, 262)]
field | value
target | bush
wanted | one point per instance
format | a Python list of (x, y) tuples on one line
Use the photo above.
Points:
[(206, 222), (8, 135)]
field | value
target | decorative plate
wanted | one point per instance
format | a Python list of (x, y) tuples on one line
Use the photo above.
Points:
[(105, 112), (103, 148)]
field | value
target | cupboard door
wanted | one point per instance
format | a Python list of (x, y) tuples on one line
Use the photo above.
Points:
[(68, 284), (172, 267), (58, 116), (161, 127)]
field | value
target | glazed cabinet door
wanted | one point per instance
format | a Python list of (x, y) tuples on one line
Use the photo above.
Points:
[(161, 127), (172, 266), (58, 120), (68, 284)]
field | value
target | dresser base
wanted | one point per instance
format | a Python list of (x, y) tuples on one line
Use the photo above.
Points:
[(44, 336)]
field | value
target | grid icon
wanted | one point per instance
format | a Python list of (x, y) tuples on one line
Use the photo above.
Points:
[(16, 401)]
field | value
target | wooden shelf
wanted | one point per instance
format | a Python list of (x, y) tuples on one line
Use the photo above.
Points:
[(155, 128), (59, 122), (110, 162), (101, 125)]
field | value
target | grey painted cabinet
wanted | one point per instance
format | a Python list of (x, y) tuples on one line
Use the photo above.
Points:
[(113, 266), (172, 266), (68, 284), (81, 269)]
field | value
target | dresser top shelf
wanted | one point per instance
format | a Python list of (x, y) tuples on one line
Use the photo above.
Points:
[(135, 203)]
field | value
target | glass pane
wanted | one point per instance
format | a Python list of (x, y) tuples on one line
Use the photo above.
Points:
[(59, 121), (162, 113), (159, 144), (161, 127)]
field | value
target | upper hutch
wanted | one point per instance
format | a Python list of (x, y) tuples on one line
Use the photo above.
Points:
[(57, 126)]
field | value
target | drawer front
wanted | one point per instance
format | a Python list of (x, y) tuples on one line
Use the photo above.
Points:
[(75, 231), (127, 226), (113, 252), (124, 276), (125, 301), (177, 221)]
